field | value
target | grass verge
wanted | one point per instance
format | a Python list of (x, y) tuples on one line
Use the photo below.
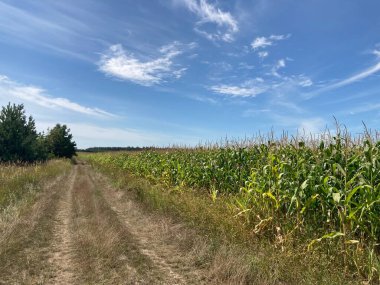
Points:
[(16, 181)]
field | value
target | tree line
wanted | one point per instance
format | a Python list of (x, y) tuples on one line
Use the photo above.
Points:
[(115, 149), (20, 141)]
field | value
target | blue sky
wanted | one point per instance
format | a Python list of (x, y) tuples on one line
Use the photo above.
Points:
[(161, 72)]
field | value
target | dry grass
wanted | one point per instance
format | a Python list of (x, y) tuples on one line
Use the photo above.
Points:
[(25, 225), (75, 231), (17, 181), (103, 245), (152, 237)]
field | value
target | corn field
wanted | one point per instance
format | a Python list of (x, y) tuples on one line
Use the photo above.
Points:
[(325, 189)]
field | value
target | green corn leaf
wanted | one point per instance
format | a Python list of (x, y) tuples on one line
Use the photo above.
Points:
[(332, 235), (309, 202), (270, 195)]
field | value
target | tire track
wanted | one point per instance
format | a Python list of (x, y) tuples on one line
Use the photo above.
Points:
[(150, 239), (61, 247), (106, 252)]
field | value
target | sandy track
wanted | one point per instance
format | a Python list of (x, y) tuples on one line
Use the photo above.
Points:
[(82, 231), (153, 238), (61, 248)]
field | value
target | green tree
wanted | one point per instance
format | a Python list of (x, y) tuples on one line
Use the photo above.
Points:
[(19, 141), (59, 142)]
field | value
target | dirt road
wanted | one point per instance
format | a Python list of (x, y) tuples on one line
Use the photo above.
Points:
[(82, 231)]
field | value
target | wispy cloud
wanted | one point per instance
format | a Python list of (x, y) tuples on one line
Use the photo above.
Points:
[(361, 75), (275, 85), (120, 63), (249, 88), (350, 80), (304, 81), (368, 107), (255, 112), (281, 63), (36, 95), (209, 13), (259, 44), (263, 42), (262, 54), (204, 99), (244, 65), (50, 29)]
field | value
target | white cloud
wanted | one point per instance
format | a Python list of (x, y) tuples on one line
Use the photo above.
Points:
[(237, 91), (377, 53), (276, 85), (209, 13), (119, 63), (304, 81), (288, 84), (263, 42), (262, 54), (36, 95), (250, 88), (281, 63), (279, 37)]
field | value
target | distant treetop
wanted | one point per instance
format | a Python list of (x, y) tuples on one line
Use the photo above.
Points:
[(20, 142)]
